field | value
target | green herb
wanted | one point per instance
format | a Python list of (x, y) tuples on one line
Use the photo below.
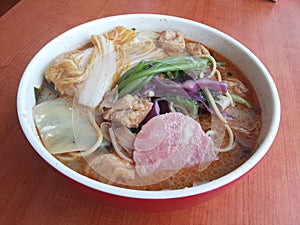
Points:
[(214, 95), (240, 100), (139, 67), (174, 74), (204, 97), (221, 63), (218, 63), (37, 93)]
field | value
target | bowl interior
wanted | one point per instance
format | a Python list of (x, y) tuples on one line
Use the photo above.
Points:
[(222, 43)]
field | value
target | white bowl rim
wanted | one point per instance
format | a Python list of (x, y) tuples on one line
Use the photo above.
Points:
[(166, 194)]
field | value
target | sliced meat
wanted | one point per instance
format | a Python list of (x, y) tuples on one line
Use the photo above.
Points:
[(204, 152), (184, 144), (151, 135)]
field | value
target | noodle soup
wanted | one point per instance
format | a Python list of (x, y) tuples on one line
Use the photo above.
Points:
[(147, 110)]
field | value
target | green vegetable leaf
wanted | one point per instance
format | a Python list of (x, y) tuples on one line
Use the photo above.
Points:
[(134, 86), (185, 105), (163, 65)]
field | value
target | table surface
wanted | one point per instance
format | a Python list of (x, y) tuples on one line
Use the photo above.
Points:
[(32, 194)]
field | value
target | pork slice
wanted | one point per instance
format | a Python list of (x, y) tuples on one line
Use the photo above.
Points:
[(184, 144), (151, 136), (204, 152), (160, 157)]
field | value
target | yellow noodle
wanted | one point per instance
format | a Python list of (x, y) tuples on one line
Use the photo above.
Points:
[(214, 64), (214, 106), (98, 142), (231, 140), (230, 144), (219, 77)]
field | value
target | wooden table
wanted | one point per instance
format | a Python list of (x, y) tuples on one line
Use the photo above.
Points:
[(30, 193)]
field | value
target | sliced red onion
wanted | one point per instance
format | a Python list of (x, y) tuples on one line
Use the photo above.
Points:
[(160, 106), (168, 88), (199, 98), (195, 85), (187, 86), (187, 89)]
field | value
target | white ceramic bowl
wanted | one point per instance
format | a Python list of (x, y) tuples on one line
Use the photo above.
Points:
[(152, 200)]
